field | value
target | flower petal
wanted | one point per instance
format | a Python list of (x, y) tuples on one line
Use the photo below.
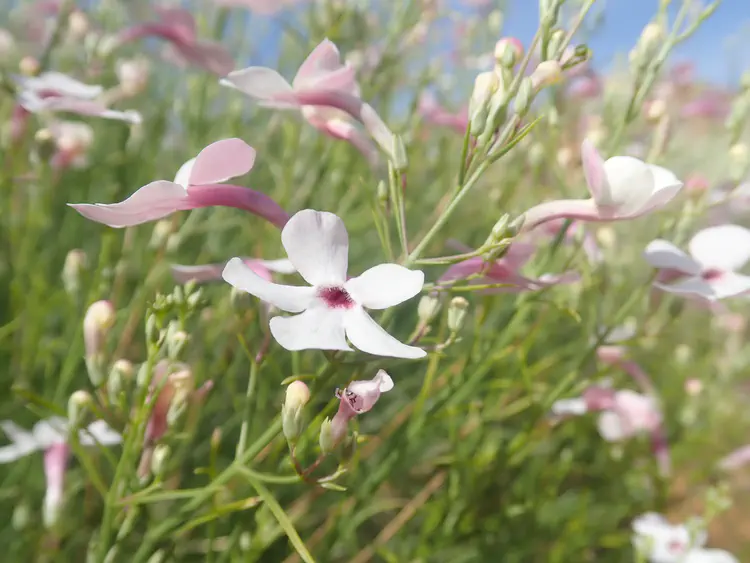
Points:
[(184, 172), (729, 284), (53, 430), (259, 82), (59, 83), (593, 170), (208, 55), (367, 335), (725, 247), (385, 285), (630, 184), (689, 286), (239, 197), (280, 265), (14, 452), (318, 246), (573, 407), (583, 209), (324, 59), (662, 254), (384, 381), (667, 186), (221, 161), (153, 201), (611, 427), (99, 432), (709, 556), (738, 458), (292, 299), (317, 328)]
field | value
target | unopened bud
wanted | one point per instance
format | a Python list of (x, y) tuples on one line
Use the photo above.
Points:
[(327, 439), (382, 193), (29, 66), (500, 229), (508, 51), (651, 36), (554, 46), (152, 330), (399, 159), (131, 517), (76, 262), (693, 387), (176, 341), (656, 110), (159, 459), (216, 438), (485, 85), (457, 314), (739, 160), (78, 26), (516, 225), (121, 372), (297, 396), (348, 449), (7, 45), (133, 75), (246, 541), (21, 516), (429, 307), (78, 404), (525, 95), (547, 73), (97, 323), (161, 232), (44, 142)]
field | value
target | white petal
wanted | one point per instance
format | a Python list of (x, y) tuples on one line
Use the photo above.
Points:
[(14, 452), (620, 333), (663, 178), (689, 286), (364, 388), (99, 431), (368, 336), (726, 247), (60, 83), (385, 383), (385, 285), (50, 431), (182, 177), (630, 183), (651, 524), (610, 426), (662, 254), (709, 556), (318, 246), (292, 299), (317, 328), (564, 407), (258, 82), (15, 433), (729, 284), (280, 265)]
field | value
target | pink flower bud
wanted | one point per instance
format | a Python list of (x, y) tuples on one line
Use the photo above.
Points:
[(693, 387), (55, 462)]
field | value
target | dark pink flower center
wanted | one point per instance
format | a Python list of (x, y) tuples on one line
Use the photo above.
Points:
[(711, 274), (336, 297), (676, 546)]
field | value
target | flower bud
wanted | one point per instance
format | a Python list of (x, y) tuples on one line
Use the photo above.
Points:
[(516, 225), (78, 26), (656, 110), (131, 517), (739, 160), (457, 314), (246, 541), (133, 75), (176, 341), (693, 387), (161, 232), (382, 193), (500, 229), (508, 51), (78, 403), (485, 85), (120, 374), (76, 262), (327, 438), (429, 307), (21, 516), (159, 459), (152, 330), (29, 66), (547, 73), (554, 46), (525, 94), (7, 45), (44, 142), (399, 159), (297, 396), (97, 323)]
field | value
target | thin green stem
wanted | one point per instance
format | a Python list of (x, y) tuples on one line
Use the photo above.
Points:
[(251, 382)]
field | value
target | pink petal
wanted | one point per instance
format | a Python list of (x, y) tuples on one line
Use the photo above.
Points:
[(208, 55), (212, 272), (340, 129), (81, 107), (221, 161), (180, 19), (325, 58), (583, 209), (153, 201), (227, 195), (593, 169), (736, 459)]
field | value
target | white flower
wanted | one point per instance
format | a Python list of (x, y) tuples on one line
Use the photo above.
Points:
[(710, 269), (333, 308), (662, 542), (48, 433)]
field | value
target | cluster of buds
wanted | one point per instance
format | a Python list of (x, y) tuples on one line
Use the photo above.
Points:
[(97, 324)]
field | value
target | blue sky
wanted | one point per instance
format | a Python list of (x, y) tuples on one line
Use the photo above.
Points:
[(720, 47)]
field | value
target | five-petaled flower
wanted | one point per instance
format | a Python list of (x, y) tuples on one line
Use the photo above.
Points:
[(51, 436), (325, 91), (57, 92), (710, 269), (622, 187), (198, 183), (662, 542), (333, 308)]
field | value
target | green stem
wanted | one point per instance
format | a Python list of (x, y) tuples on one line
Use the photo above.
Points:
[(241, 444)]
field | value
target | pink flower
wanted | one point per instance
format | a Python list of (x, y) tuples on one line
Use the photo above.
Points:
[(433, 112), (51, 436), (358, 397), (325, 91), (630, 414), (621, 188), (506, 270), (198, 183), (212, 272), (177, 27), (738, 458), (708, 105), (709, 271), (57, 92), (265, 7)]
